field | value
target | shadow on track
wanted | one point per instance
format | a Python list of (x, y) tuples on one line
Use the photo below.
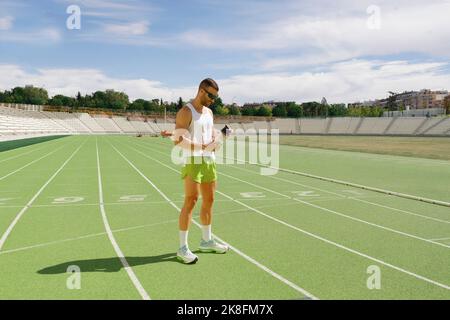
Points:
[(107, 264)]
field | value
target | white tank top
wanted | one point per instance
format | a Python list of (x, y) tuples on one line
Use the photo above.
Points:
[(201, 131)]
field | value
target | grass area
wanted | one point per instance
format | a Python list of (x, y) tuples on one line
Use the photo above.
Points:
[(422, 147)]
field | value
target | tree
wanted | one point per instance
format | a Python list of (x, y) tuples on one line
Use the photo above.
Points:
[(294, 110), (337, 110), (234, 110), (222, 111), (180, 104), (62, 101), (29, 95), (392, 102), (280, 110), (264, 111), (248, 111), (216, 104), (322, 110), (114, 100), (311, 109), (138, 104)]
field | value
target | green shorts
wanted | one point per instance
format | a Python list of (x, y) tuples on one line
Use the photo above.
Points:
[(203, 172)]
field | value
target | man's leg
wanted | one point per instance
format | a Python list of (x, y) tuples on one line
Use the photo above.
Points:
[(208, 192), (208, 244), (191, 192)]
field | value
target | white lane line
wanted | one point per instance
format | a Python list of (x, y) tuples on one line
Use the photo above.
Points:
[(19, 215), (30, 163), (92, 235), (245, 256), (340, 214), (400, 210), (22, 154), (347, 197), (337, 213), (329, 210), (397, 194), (123, 260), (441, 239), (340, 195), (106, 203), (415, 275)]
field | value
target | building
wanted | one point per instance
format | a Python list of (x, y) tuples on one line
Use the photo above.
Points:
[(411, 100)]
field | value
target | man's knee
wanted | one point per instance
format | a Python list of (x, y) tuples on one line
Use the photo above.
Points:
[(190, 201), (208, 201)]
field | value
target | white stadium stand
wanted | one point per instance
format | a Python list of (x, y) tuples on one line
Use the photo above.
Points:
[(108, 124), (374, 125), (405, 125), (89, 122), (72, 121), (141, 127), (313, 126), (286, 126), (18, 124), (124, 125), (441, 127), (340, 126)]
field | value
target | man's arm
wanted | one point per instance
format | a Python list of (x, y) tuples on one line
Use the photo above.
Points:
[(181, 136)]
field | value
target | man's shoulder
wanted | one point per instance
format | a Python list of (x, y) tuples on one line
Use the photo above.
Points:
[(185, 110), (209, 110)]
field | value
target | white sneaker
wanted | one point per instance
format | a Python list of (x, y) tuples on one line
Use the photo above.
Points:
[(212, 246), (186, 256)]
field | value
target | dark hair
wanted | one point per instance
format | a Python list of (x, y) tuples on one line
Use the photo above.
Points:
[(209, 83)]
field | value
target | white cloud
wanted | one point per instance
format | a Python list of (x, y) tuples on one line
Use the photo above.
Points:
[(6, 22), (40, 36), (309, 36), (70, 81), (104, 4), (349, 81), (134, 28)]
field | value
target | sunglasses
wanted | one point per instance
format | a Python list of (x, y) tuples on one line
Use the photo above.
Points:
[(210, 95)]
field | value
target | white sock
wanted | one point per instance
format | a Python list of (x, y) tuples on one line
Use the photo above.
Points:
[(206, 232), (184, 238)]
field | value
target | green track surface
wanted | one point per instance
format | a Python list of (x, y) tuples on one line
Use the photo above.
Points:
[(293, 236)]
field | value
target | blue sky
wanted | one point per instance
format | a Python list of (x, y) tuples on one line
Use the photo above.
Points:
[(301, 50)]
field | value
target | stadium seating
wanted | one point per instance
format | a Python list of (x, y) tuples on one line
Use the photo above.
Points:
[(89, 122), (108, 124), (18, 123), (141, 127), (405, 125), (124, 125), (441, 127), (374, 125), (313, 126), (286, 126)]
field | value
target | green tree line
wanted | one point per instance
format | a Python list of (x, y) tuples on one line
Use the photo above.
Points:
[(119, 101)]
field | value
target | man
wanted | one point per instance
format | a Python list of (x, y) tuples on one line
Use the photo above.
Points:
[(195, 134)]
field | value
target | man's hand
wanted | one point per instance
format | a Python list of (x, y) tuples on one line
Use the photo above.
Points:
[(213, 146), (166, 134)]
